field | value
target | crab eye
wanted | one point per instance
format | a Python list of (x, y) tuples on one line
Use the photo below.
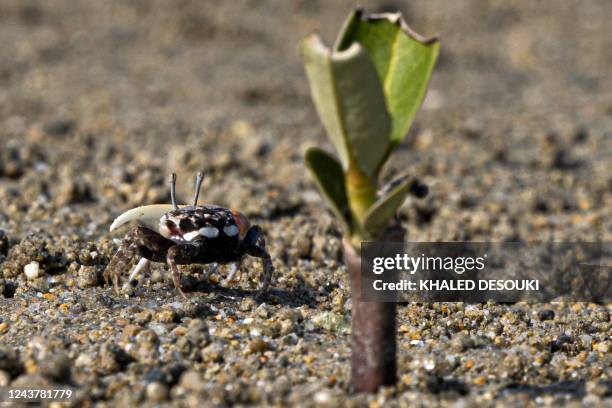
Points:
[(171, 226), (242, 222), (185, 224)]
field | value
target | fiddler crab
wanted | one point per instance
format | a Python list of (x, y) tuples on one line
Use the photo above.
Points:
[(187, 234)]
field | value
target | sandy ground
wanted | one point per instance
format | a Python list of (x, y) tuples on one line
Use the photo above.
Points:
[(100, 101)]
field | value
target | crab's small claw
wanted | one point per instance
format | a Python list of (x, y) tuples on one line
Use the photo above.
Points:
[(268, 269), (143, 265), (148, 215)]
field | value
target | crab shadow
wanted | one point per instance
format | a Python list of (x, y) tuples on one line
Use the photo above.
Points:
[(570, 387), (274, 296)]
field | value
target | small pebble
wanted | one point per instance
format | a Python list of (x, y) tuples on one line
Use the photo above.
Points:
[(32, 270), (9, 361), (56, 367), (142, 318), (213, 353), (166, 316), (247, 304), (4, 243), (157, 391), (598, 388), (131, 330), (5, 378), (88, 277), (58, 127), (322, 397), (586, 342), (192, 381), (546, 314), (147, 338), (197, 332), (480, 380), (257, 345), (603, 347), (84, 360)]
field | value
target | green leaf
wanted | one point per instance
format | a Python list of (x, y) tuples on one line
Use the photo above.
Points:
[(380, 213), (329, 177), (404, 62), (350, 101)]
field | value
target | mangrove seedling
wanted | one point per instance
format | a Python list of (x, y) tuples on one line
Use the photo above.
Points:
[(367, 90)]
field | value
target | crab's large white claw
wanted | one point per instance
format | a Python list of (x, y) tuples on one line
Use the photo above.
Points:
[(148, 215)]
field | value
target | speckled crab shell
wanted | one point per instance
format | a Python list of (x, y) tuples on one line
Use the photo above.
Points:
[(159, 216)]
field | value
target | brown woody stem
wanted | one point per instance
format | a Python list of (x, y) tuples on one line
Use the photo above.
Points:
[(373, 333)]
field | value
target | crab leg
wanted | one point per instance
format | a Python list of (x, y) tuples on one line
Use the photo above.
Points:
[(234, 268), (143, 265), (268, 268), (175, 252), (120, 260), (256, 246), (267, 273), (210, 268)]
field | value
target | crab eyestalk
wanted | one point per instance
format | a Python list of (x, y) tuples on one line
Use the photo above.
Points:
[(173, 191), (367, 90), (198, 184)]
